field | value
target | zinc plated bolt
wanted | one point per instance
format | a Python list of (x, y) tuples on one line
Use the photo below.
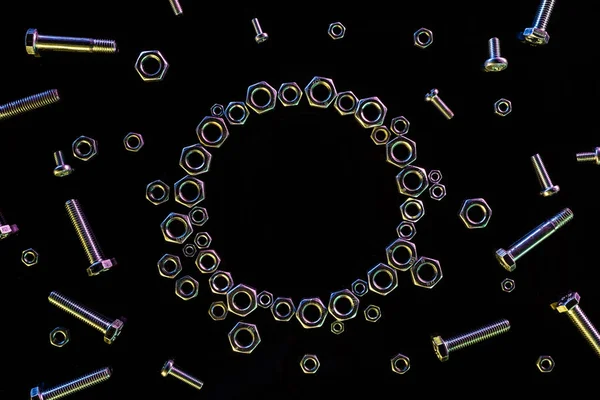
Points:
[(171, 369), (260, 35), (29, 103), (98, 263), (6, 229), (508, 258), (110, 328), (176, 7), (74, 386), (495, 63), (61, 169), (570, 304), (548, 189), (443, 348), (537, 34), (36, 43), (592, 157), (432, 97)]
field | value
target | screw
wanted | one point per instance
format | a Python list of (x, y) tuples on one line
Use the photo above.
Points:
[(7, 230), (110, 328), (548, 189), (433, 98), (443, 348), (74, 386), (260, 35), (30, 103), (176, 7), (594, 156), (508, 258), (495, 63), (98, 263), (171, 369), (61, 169), (537, 34), (570, 304), (36, 43)]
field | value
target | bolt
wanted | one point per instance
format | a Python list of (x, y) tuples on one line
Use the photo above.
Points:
[(6, 229), (110, 328), (443, 348), (260, 35), (30, 103), (495, 63), (74, 386), (570, 304), (508, 258), (98, 263), (537, 35), (594, 156), (36, 43), (433, 98), (61, 169), (548, 189), (171, 369), (176, 7)]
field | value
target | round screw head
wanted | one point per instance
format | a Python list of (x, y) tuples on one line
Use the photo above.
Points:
[(261, 37), (495, 64), (549, 191)]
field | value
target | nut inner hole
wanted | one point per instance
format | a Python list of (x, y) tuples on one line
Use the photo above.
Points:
[(503, 107), (283, 310), (157, 192), (371, 112), (212, 132), (401, 365), (133, 142), (187, 288), (400, 125), (427, 272), (202, 240), (434, 176), (83, 148), (170, 266), (383, 279), (346, 103), (310, 364), (373, 313), (508, 285), (402, 151), (207, 261), (290, 94), (195, 159), (311, 313), (336, 30), (413, 210), (321, 92), (423, 38), (198, 216), (218, 310), (189, 191), (265, 299), (29, 257), (261, 97), (337, 326), (406, 230), (221, 283), (402, 254), (237, 113), (476, 214), (176, 228), (360, 288), (343, 305), (241, 300), (381, 135), (151, 65), (188, 250), (413, 180), (244, 338), (546, 364)]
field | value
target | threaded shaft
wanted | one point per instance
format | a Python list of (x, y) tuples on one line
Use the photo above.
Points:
[(74, 44), (479, 335), (84, 231), (562, 218), (444, 109), (543, 14), (29, 104), (176, 7), (585, 326), (104, 46), (59, 158), (93, 319), (256, 26), (540, 171), (586, 157), (494, 47), (77, 385), (187, 378)]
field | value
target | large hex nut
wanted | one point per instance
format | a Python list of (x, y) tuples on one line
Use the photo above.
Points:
[(167, 228), (400, 364), (336, 30), (426, 272), (29, 257), (212, 132), (503, 107), (383, 279), (236, 113), (289, 94), (158, 192), (316, 99), (283, 309), (545, 364), (234, 304), (412, 210), (143, 66), (401, 254), (169, 266), (133, 142), (408, 188), (220, 282), (208, 261), (472, 204), (240, 344), (401, 151), (197, 189), (423, 38), (363, 112), (84, 148), (307, 321), (255, 104), (399, 125), (343, 312), (360, 287), (186, 287), (217, 311), (345, 103), (195, 160)]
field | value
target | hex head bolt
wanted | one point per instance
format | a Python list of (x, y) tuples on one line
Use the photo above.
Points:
[(7, 229), (443, 348), (176, 7), (36, 43), (433, 98), (260, 35), (537, 34), (30, 103), (171, 369), (98, 263), (570, 304), (592, 157), (61, 169), (111, 328), (508, 258), (74, 386), (548, 189), (495, 63)]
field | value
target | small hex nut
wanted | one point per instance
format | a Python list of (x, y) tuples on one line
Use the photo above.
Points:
[(470, 204), (169, 236), (189, 250), (336, 30), (208, 261), (29, 257), (345, 103), (400, 364), (186, 288), (435, 176), (217, 110), (380, 135), (337, 327), (301, 313), (195, 160), (271, 97), (244, 348), (310, 364), (133, 142), (412, 210), (265, 299), (233, 109), (545, 364), (343, 315), (202, 240), (503, 107), (403, 185), (406, 230), (84, 148), (219, 133), (401, 151), (198, 188), (400, 125), (220, 287), (283, 309), (237, 309), (401, 254), (328, 84), (217, 311), (372, 313), (508, 285), (423, 38), (437, 191), (428, 281), (169, 266), (59, 336), (158, 192), (367, 121), (198, 216), (360, 287), (294, 89), (388, 286), (146, 74)]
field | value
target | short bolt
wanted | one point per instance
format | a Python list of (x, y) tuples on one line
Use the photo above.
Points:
[(36, 43), (443, 348), (548, 189), (570, 304), (98, 263), (74, 386), (109, 327), (495, 63), (7, 229), (508, 258), (592, 157), (176, 7), (30, 103), (433, 98), (537, 34), (171, 369), (260, 35), (61, 169)]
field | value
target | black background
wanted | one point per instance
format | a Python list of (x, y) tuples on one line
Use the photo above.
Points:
[(301, 202)]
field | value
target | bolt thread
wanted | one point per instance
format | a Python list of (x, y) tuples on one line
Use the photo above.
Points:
[(59, 158), (540, 171), (104, 46), (586, 157), (494, 47), (77, 385), (479, 335), (585, 326), (93, 319), (187, 378), (29, 104), (256, 26), (84, 231), (176, 7), (562, 218), (543, 14)]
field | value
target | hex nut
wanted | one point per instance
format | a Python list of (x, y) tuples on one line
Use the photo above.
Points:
[(261, 87), (240, 346), (217, 110), (345, 103), (337, 327), (288, 87), (399, 125), (336, 30), (147, 74), (265, 299), (84, 148), (169, 266), (202, 240), (283, 309), (435, 176), (307, 322), (212, 132), (380, 135), (133, 142), (545, 364), (310, 364), (217, 311), (401, 254), (186, 288), (372, 313), (316, 82), (198, 216), (419, 188), (367, 121), (423, 38), (508, 285), (470, 204), (401, 151), (412, 210), (406, 230), (386, 287), (168, 234), (343, 314), (60, 336), (198, 189), (207, 261), (437, 191), (243, 309), (502, 107), (30, 257), (220, 282), (195, 160), (400, 364), (189, 250), (158, 192), (427, 282), (236, 113), (360, 287)]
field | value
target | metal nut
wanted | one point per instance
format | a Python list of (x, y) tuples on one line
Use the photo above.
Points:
[(265, 299), (307, 321), (336, 30), (202, 240), (240, 344), (408, 188), (337, 327), (84, 148), (345, 103), (360, 287), (545, 364), (502, 107), (217, 110), (475, 204), (198, 216), (372, 313), (363, 112), (383, 279), (289, 94), (186, 288), (30, 257), (401, 254), (400, 364), (315, 99), (196, 187), (220, 282), (243, 307), (176, 218), (435, 176), (151, 74), (59, 336), (158, 192), (217, 311), (343, 312), (133, 142), (412, 210), (401, 151), (195, 160), (437, 191), (426, 272), (283, 309), (208, 261), (309, 364), (508, 285), (399, 125), (236, 113), (189, 250), (212, 132), (256, 105), (406, 230), (423, 38), (169, 266), (380, 135)]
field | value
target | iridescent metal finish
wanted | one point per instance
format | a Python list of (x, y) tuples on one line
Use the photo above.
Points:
[(548, 188), (495, 63), (29, 103), (591, 157), (74, 386), (61, 169), (7, 229), (537, 34), (36, 43), (170, 369), (260, 35), (508, 258), (433, 98), (176, 7), (570, 304)]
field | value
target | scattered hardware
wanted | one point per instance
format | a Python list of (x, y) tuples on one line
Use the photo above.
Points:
[(508, 285), (310, 364), (260, 35), (62, 169), (29, 103), (537, 34), (433, 98), (400, 364), (170, 369), (176, 6), (30, 257), (72, 387), (569, 304), (495, 63), (591, 157), (59, 336), (36, 43), (152, 66), (336, 30), (548, 189), (545, 364)]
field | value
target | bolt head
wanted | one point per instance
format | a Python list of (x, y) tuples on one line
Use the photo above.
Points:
[(440, 348), (101, 266), (430, 96), (550, 191), (535, 37), (167, 368), (114, 331), (567, 302), (31, 37), (261, 37), (36, 393), (506, 260), (63, 170), (495, 64)]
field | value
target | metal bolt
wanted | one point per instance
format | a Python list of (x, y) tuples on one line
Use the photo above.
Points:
[(570, 304), (508, 258), (176, 7), (98, 263), (260, 35), (74, 386), (36, 43), (171, 369), (30, 103), (594, 156), (110, 328), (433, 98), (548, 189), (6, 229), (495, 63), (61, 169), (443, 348), (537, 35)]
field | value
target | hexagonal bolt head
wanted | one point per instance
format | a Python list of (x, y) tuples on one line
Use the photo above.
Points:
[(143, 67), (133, 142), (423, 38), (387, 284), (419, 269), (440, 348), (400, 364), (336, 30), (167, 228), (101, 266), (257, 106), (30, 257), (343, 312), (241, 344), (233, 300), (195, 160), (307, 321), (158, 192), (468, 220), (186, 288), (315, 99), (567, 302)]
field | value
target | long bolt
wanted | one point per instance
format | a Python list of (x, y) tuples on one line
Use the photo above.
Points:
[(29, 103), (548, 189), (176, 7), (537, 34), (36, 43), (171, 369), (98, 263), (109, 327), (495, 62), (508, 258), (570, 304), (74, 386), (432, 97), (443, 348), (592, 157), (7, 229), (260, 35), (61, 169)]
